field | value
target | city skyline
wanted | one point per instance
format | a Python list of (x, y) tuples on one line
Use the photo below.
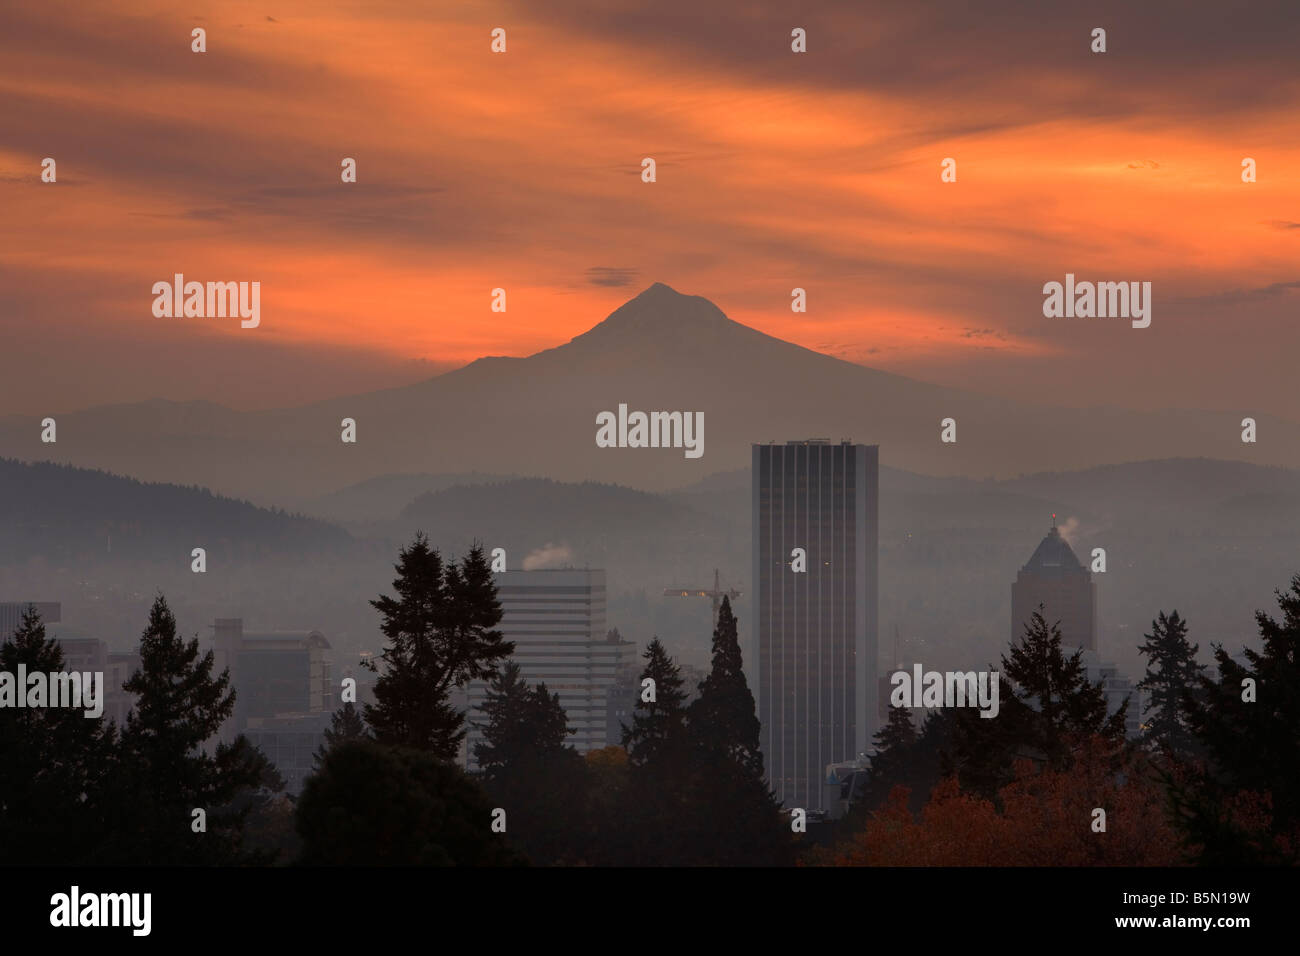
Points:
[(484, 433)]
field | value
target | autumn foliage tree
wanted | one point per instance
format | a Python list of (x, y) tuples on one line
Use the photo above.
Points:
[(1043, 817)]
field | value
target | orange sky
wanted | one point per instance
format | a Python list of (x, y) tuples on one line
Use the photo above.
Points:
[(521, 170)]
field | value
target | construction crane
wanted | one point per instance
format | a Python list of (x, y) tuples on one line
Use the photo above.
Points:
[(717, 594)]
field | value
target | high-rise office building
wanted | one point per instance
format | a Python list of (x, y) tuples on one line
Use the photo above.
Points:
[(274, 673), (556, 618), (1054, 578), (811, 659)]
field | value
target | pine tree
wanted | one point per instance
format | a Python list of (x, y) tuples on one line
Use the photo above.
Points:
[(180, 705), (917, 760), (1172, 675), (1253, 746), (527, 767), (1048, 708), (1054, 692), (56, 763), (658, 817), (441, 633), (723, 719), (734, 819), (345, 724), (522, 723), (658, 730), (892, 743)]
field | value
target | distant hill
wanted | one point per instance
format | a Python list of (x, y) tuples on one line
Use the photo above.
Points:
[(60, 513), (583, 524), (659, 351), (1209, 538), (383, 497)]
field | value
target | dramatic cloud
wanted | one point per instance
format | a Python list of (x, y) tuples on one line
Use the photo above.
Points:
[(776, 170), (617, 278)]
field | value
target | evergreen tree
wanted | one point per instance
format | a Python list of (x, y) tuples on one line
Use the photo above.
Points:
[(1252, 741), (728, 817), (180, 705), (527, 768), (905, 757), (892, 743), (1048, 708), (659, 830), (723, 719), (56, 763), (245, 758), (658, 731), (734, 819), (441, 633), (523, 723), (345, 724), (372, 805), (1172, 675)]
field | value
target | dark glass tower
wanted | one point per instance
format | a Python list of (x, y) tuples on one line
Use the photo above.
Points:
[(1055, 578), (811, 661)]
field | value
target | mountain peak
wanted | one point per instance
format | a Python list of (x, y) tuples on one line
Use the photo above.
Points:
[(659, 312), (661, 289)]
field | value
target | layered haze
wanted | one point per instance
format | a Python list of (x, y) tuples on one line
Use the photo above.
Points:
[(662, 350)]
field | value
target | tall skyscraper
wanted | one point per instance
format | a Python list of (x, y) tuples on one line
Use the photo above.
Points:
[(1054, 578), (811, 661), (556, 618)]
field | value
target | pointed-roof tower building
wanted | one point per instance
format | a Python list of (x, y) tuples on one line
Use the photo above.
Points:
[(1054, 578)]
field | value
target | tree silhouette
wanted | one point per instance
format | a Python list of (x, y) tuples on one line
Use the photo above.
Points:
[(732, 817), (391, 806), (522, 723), (723, 719), (658, 731), (528, 769), (658, 827), (56, 763), (892, 743), (345, 724), (1245, 808), (1047, 707), (440, 630), (180, 705), (1172, 676)]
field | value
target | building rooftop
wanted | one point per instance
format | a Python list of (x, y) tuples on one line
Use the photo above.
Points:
[(1052, 553)]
